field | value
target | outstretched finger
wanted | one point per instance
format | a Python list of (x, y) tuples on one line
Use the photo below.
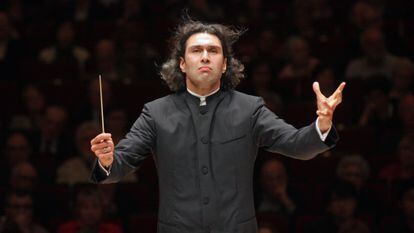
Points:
[(317, 90), (339, 90)]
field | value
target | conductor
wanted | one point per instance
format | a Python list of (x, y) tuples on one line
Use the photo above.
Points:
[(205, 136)]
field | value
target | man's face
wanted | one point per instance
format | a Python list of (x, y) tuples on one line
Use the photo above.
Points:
[(89, 210), (17, 149), (20, 209), (203, 62), (25, 178), (273, 177), (353, 173), (342, 208)]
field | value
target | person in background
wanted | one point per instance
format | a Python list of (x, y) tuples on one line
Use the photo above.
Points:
[(31, 115), (17, 150), (89, 214), (278, 196), (65, 48), (82, 163), (403, 168), (376, 60), (355, 169), (341, 213), (404, 222), (23, 177), (19, 214)]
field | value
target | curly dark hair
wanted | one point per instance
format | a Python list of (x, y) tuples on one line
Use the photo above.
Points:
[(170, 71)]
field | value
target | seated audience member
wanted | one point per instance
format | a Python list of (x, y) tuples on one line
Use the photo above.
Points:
[(402, 79), (30, 116), (277, 195), (19, 214), (53, 141), (378, 109), (105, 61), (82, 163), (17, 150), (404, 167), (404, 223), (23, 177), (65, 48), (356, 170), (376, 60), (262, 85), (341, 210), (300, 62), (89, 214)]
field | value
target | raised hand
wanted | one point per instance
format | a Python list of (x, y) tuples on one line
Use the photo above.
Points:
[(326, 106), (103, 147)]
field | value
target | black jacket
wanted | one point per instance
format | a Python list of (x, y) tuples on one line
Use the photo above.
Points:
[(205, 157)]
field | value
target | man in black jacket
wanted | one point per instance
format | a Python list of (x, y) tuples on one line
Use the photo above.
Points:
[(205, 136)]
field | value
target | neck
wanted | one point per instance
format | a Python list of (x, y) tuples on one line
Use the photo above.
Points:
[(203, 90)]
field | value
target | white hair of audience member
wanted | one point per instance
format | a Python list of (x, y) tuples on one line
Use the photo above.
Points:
[(354, 159)]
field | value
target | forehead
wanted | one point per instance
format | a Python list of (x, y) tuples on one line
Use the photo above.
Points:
[(203, 39)]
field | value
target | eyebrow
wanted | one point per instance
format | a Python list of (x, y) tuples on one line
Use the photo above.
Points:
[(202, 46)]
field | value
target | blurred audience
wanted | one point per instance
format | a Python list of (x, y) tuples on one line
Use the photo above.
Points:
[(378, 109), (376, 60), (277, 195), (355, 169), (341, 213), (83, 161), (11, 51), (403, 168), (19, 217), (23, 177), (406, 114), (300, 62), (53, 140), (31, 115), (404, 223), (117, 124), (90, 110), (325, 41), (402, 79), (262, 85), (105, 62), (17, 150), (65, 49), (89, 214)]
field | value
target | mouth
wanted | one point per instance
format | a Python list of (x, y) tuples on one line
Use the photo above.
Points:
[(204, 68)]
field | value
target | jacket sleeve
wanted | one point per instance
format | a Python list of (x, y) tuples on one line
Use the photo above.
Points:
[(275, 135), (130, 152)]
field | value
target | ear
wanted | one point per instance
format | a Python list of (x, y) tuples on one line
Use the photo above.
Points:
[(182, 64), (224, 65)]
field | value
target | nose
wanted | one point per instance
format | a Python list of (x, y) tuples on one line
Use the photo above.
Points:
[(204, 56)]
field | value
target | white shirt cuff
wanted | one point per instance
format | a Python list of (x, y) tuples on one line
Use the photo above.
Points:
[(107, 171), (324, 135)]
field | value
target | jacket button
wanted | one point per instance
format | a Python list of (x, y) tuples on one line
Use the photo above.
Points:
[(204, 140), (206, 200), (204, 170)]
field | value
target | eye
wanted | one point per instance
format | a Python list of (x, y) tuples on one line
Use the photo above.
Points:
[(213, 50), (196, 50)]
